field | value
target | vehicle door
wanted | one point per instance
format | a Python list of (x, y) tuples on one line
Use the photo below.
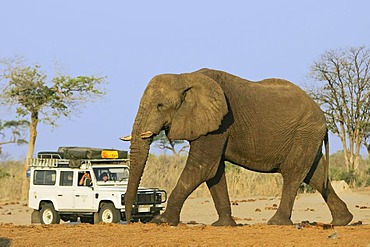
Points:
[(43, 186), (65, 194), (83, 194)]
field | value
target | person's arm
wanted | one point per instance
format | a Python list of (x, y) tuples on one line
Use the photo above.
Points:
[(82, 179)]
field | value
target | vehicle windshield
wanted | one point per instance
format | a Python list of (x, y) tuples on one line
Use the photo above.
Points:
[(115, 174)]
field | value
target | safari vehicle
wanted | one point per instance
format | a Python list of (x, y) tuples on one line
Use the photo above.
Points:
[(89, 184)]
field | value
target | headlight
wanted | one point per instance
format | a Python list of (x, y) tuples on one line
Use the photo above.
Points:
[(123, 199), (158, 198)]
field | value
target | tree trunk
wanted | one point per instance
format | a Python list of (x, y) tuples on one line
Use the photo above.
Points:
[(342, 136), (31, 148), (357, 156)]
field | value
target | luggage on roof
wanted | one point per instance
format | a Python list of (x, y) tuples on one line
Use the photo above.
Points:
[(91, 153)]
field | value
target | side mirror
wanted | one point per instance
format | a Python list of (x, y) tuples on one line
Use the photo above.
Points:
[(88, 182)]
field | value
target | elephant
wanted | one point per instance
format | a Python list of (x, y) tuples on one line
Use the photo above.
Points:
[(268, 126)]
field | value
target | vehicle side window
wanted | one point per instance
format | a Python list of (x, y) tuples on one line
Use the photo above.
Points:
[(99, 173), (66, 178), (83, 178), (44, 177)]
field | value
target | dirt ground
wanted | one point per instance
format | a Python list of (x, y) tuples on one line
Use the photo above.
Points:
[(251, 213)]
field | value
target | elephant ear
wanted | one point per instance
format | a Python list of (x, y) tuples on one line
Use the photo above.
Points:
[(203, 106)]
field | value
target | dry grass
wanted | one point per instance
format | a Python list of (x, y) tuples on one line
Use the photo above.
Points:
[(163, 171), (11, 180)]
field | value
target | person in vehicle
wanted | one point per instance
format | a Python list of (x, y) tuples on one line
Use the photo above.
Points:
[(104, 177), (84, 178)]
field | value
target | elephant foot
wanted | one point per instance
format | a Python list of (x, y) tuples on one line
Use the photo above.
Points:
[(279, 219), (162, 219), (227, 221), (343, 219)]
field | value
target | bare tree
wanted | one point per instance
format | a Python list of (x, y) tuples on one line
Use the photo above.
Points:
[(163, 143), (343, 90)]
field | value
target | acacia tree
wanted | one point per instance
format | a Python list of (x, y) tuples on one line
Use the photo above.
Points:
[(343, 91), (34, 96), (163, 143), (12, 132)]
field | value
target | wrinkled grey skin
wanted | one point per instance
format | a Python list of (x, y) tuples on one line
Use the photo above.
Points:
[(266, 126)]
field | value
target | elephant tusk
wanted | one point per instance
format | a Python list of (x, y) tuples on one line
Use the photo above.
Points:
[(125, 138), (146, 134)]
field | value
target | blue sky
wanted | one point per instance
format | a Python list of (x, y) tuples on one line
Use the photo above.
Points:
[(131, 41)]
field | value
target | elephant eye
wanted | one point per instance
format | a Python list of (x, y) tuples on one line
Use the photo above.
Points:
[(160, 106)]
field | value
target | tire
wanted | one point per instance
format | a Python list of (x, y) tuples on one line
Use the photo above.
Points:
[(109, 214), (48, 215)]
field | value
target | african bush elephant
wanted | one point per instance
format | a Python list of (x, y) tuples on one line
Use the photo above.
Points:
[(266, 126)]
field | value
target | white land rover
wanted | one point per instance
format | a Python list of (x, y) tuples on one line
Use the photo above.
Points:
[(89, 184)]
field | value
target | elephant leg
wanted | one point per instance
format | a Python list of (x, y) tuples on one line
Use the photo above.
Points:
[(188, 181), (339, 211), (294, 170), (218, 188), (284, 212), (178, 196), (202, 164)]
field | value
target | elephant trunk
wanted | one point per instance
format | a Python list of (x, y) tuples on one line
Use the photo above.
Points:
[(139, 150)]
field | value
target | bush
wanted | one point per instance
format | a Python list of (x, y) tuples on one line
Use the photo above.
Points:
[(305, 188), (338, 171), (337, 174), (3, 174)]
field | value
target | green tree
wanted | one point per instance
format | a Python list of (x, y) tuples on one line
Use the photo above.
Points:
[(35, 96), (343, 91), (163, 143), (12, 132)]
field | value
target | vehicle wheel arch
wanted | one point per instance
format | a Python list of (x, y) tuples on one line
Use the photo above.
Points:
[(43, 202), (103, 202)]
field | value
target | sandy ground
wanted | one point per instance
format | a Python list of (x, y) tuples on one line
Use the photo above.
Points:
[(251, 213)]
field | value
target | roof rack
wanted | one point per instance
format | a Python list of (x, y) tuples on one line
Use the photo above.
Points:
[(45, 162), (72, 163)]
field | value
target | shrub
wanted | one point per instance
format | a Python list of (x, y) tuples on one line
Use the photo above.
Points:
[(3, 174), (338, 171), (337, 174)]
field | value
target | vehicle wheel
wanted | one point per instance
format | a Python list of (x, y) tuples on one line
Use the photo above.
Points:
[(48, 215), (109, 214)]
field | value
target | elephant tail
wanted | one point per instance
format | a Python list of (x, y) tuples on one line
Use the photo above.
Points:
[(326, 165)]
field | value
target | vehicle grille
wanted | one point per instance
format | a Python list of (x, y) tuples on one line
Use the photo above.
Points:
[(143, 198), (148, 198)]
